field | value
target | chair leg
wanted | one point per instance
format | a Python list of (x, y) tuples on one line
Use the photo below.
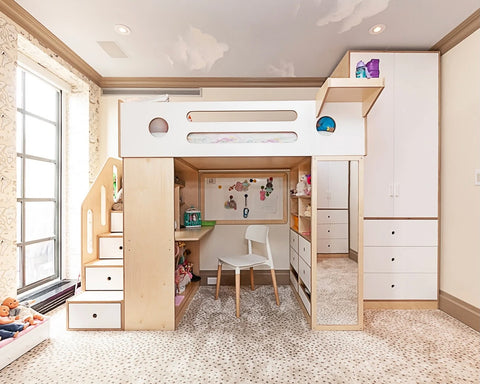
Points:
[(252, 284), (219, 276), (274, 281), (237, 292)]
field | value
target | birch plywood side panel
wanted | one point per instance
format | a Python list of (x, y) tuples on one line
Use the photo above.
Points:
[(149, 244)]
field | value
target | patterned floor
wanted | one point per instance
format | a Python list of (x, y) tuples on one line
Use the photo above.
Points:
[(267, 344)]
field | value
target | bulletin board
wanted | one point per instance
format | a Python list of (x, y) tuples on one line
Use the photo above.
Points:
[(244, 198)]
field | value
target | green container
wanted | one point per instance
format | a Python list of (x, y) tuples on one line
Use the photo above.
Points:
[(208, 223)]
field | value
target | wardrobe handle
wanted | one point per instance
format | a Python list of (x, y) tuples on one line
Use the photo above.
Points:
[(393, 259), (393, 285)]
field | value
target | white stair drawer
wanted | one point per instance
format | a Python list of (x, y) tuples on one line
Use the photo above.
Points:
[(305, 274), (332, 246), (110, 248), (294, 281), (94, 316), (104, 279), (304, 250), (305, 300), (294, 259), (294, 240), (116, 222), (400, 259), (384, 286), (332, 231), (329, 216), (410, 233)]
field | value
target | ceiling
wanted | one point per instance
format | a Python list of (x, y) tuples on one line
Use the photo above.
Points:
[(226, 38)]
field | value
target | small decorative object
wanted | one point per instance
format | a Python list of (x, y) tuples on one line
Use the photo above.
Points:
[(192, 218), (262, 193), (373, 67), (245, 210), (326, 124), (22, 311), (362, 71), (230, 203), (302, 186), (308, 211), (269, 186)]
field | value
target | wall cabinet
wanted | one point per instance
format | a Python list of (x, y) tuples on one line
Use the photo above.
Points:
[(332, 184), (401, 166)]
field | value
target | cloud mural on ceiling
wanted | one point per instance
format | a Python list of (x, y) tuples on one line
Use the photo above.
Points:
[(285, 69), (350, 13), (197, 50)]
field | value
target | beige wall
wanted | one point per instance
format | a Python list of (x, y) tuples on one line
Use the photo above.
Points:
[(460, 156)]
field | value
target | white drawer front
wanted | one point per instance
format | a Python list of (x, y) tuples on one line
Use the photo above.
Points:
[(332, 231), (94, 315), (400, 259), (329, 216), (294, 259), (294, 281), (110, 248), (305, 300), (116, 222), (304, 250), (332, 246), (384, 286), (294, 240), (420, 233), (104, 279), (305, 273)]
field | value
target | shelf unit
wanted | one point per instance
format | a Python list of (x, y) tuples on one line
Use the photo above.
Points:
[(348, 90)]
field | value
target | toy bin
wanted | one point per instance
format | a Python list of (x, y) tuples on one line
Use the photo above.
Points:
[(192, 218)]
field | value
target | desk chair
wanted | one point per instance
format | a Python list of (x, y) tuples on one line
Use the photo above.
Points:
[(254, 233)]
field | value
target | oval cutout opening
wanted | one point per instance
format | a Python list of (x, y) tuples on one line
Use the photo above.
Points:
[(158, 126), (240, 116)]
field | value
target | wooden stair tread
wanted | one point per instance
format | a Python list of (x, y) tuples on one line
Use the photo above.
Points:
[(102, 263)]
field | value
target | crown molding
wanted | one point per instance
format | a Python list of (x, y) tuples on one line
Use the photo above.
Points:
[(211, 82), (459, 33), (46, 38)]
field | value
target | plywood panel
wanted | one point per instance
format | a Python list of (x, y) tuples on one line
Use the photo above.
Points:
[(149, 244)]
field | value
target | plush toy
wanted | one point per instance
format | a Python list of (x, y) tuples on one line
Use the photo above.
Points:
[(22, 312), (302, 186)]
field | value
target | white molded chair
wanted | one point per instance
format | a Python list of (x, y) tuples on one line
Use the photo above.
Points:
[(254, 233)]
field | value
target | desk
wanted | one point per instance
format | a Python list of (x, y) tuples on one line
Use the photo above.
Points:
[(193, 234)]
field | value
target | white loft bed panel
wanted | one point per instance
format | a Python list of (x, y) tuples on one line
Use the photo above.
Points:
[(137, 141)]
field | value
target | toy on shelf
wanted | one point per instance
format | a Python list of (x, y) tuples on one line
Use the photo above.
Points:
[(369, 70), (303, 186), (308, 211)]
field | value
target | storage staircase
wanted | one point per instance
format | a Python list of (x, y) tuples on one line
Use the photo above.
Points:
[(100, 304)]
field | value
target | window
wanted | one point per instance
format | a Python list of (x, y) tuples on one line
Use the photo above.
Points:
[(38, 180)]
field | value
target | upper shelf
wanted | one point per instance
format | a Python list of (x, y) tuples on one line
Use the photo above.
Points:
[(345, 90)]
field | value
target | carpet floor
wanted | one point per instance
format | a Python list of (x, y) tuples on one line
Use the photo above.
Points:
[(267, 344)]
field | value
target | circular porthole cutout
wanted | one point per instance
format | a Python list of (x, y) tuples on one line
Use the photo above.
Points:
[(158, 126), (326, 124)]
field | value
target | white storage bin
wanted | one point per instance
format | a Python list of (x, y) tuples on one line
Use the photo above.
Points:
[(94, 316), (400, 259), (110, 247), (304, 250), (116, 222), (305, 273), (332, 245), (104, 278), (420, 233), (294, 240), (330, 216), (384, 286)]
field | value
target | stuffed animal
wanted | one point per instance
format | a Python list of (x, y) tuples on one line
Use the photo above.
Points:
[(22, 312), (302, 186)]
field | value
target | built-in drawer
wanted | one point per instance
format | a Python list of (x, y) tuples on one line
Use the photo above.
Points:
[(332, 231), (413, 233), (332, 245), (305, 300), (330, 216), (304, 250), (401, 286), (305, 273), (400, 259), (110, 247), (94, 315), (294, 240), (104, 278), (116, 221), (294, 259), (294, 281)]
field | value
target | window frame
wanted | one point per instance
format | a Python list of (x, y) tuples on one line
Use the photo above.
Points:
[(57, 199)]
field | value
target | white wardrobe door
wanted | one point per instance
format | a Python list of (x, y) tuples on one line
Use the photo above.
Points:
[(323, 187), (378, 176), (416, 135)]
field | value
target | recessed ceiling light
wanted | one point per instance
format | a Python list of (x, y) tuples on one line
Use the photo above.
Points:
[(377, 29), (122, 29)]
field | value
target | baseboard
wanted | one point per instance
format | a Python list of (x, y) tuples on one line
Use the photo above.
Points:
[(353, 255), (460, 310), (400, 304), (261, 277)]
